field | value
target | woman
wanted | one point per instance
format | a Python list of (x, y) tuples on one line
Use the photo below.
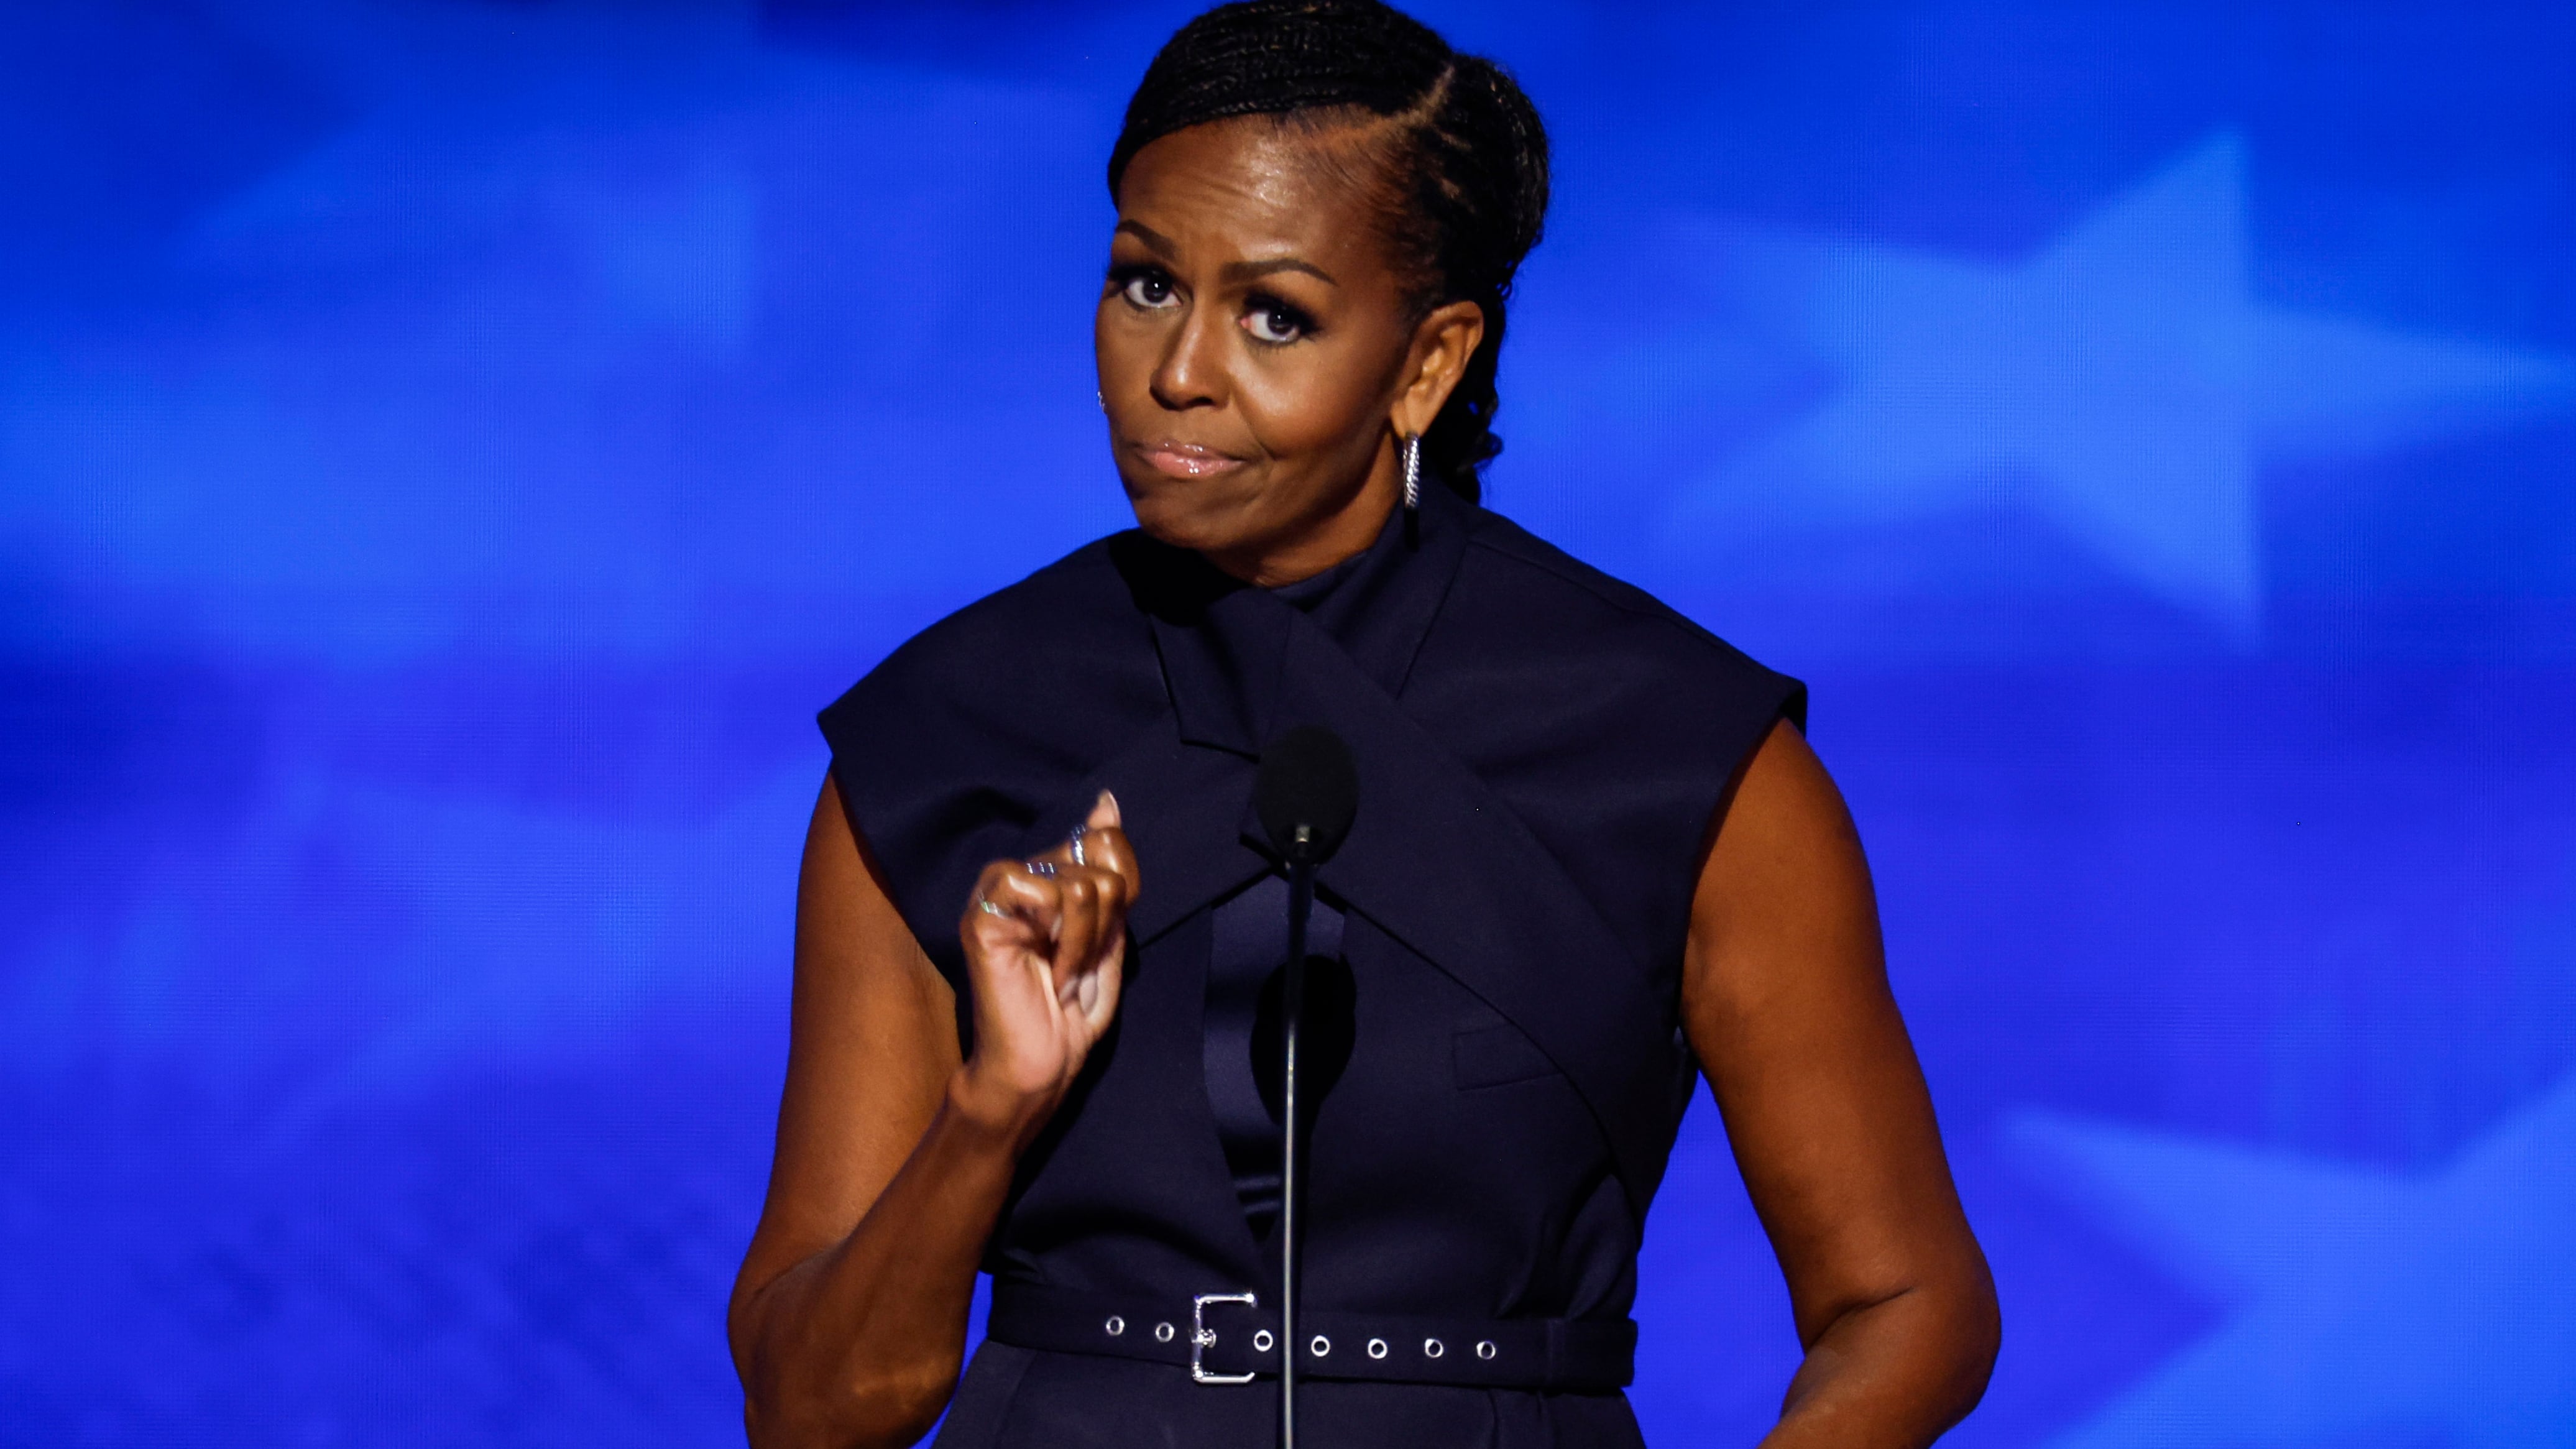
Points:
[(1593, 858)]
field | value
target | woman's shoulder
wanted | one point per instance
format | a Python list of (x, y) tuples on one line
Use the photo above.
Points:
[(1065, 634), (1555, 604), (1080, 593)]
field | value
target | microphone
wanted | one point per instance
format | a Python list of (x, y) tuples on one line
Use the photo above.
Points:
[(1306, 794)]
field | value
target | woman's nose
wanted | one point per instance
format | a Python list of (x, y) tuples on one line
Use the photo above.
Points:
[(1192, 370)]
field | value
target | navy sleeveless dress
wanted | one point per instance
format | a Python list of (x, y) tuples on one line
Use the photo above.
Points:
[(1541, 751)]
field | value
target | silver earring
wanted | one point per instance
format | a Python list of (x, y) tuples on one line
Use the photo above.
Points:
[(1412, 472)]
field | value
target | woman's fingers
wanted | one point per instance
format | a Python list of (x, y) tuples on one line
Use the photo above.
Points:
[(1055, 929), (1103, 848), (1104, 813), (1013, 906), (1101, 986), (1053, 922), (1098, 844), (1077, 941), (1103, 845), (1095, 858)]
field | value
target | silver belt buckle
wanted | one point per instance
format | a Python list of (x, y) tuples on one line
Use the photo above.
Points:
[(1201, 1336)]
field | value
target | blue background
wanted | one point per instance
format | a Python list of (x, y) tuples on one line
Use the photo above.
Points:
[(448, 449)]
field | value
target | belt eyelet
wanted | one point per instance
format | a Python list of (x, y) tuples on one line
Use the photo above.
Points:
[(1485, 1349), (1116, 1325), (1163, 1332), (1377, 1348), (1433, 1348), (1263, 1340), (1321, 1347)]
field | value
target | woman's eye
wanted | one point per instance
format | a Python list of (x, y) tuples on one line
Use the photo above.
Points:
[(1148, 289), (1273, 322)]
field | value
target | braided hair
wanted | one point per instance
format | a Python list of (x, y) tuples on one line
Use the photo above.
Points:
[(1460, 152)]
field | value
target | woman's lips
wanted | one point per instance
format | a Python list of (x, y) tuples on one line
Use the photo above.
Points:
[(1186, 460)]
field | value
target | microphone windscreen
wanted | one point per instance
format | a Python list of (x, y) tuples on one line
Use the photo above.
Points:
[(1307, 780)]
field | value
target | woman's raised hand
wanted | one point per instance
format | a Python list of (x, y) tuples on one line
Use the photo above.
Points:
[(1046, 945)]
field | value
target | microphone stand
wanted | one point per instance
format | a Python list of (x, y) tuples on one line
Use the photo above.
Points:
[(1301, 905), (1306, 792)]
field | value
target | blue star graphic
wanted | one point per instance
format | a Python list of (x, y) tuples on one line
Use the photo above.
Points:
[(2124, 384), (2363, 1306)]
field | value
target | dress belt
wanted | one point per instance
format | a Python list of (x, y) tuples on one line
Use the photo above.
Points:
[(1230, 1338)]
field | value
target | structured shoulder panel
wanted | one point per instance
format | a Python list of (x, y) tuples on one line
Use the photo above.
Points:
[(954, 746), (1608, 722)]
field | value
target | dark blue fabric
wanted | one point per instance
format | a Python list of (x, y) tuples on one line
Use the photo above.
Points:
[(1251, 933), (1541, 752), (1242, 1046)]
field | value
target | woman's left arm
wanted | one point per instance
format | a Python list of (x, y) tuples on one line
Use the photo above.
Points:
[(1786, 1003)]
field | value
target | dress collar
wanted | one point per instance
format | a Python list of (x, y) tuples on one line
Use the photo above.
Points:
[(1224, 643)]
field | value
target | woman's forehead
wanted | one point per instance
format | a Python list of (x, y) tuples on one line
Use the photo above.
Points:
[(1254, 183)]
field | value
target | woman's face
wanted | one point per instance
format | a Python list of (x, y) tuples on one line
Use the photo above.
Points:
[(1257, 354)]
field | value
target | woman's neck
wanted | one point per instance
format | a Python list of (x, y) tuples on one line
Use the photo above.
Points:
[(1319, 545)]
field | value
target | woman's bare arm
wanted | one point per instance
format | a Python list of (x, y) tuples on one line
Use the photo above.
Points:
[(848, 1321), (1786, 1001)]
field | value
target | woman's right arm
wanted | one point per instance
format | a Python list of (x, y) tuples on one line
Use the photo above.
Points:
[(848, 1321)]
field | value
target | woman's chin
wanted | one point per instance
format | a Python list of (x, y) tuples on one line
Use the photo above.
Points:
[(1168, 514)]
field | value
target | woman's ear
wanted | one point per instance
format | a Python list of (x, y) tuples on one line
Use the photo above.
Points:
[(1442, 343)]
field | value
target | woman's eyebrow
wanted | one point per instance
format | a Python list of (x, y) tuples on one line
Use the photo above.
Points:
[(1153, 240), (1163, 246), (1247, 271)]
